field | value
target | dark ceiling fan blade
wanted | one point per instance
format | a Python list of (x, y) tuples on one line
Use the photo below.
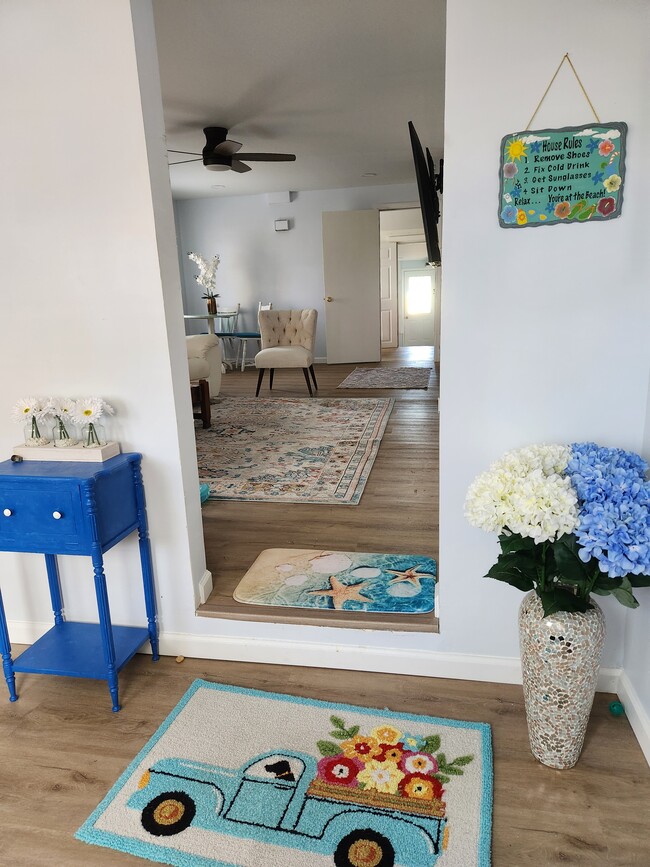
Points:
[(238, 166), (227, 148), (189, 153), (182, 162), (271, 158)]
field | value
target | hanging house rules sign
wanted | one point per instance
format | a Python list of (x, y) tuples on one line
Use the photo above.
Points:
[(567, 175)]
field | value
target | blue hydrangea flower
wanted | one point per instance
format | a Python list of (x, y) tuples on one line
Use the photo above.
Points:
[(614, 508)]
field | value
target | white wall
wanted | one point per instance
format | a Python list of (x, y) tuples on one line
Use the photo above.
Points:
[(89, 306), (545, 332), (260, 264)]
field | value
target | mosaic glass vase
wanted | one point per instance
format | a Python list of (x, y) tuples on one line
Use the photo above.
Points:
[(560, 659)]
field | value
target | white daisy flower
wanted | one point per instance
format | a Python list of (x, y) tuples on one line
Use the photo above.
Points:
[(31, 407), (88, 410)]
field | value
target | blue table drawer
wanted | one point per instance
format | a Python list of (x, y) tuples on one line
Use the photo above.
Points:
[(44, 516)]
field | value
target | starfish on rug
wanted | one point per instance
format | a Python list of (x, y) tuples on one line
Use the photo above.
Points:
[(409, 576), (341, 593)]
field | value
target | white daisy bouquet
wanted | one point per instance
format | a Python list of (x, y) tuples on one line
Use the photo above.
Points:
[(207, 276), (33, 411), (87, 412)]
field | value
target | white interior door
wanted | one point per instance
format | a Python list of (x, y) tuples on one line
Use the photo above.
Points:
[(418, 288), (388, 291), (351, 272)]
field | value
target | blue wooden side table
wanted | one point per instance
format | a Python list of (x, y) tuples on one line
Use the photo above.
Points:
[(52, 508)]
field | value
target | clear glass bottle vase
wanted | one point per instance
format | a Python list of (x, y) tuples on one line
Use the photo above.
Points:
[(64, 435), (93, 435), (37, 433)]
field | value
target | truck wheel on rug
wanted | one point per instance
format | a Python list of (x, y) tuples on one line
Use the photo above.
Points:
[(168, 814), (364, 848)]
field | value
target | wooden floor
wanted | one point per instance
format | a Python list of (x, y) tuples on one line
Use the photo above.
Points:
[(398, 512), (61, 749)]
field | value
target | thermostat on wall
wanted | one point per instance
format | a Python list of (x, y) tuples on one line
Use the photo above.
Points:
[(281, 225)]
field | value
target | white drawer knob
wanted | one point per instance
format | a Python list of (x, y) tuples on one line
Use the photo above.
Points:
[(57, 515), (7, 513)]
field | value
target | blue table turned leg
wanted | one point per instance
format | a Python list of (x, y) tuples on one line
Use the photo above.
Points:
[(55, 587), (106, 627), (145, 560), (5, 649)]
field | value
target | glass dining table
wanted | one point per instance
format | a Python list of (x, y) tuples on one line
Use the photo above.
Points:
[(226, 324)]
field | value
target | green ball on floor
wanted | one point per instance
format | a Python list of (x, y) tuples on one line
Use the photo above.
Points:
[(204, 490), (616, 708)]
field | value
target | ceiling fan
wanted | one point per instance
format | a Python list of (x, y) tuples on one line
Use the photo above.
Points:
[(221, 154)]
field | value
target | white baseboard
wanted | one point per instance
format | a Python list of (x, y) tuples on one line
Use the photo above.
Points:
[(316, 654), (636, 713), (205, 587)]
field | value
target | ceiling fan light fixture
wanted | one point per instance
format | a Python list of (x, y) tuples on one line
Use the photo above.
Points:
[(215, 167)]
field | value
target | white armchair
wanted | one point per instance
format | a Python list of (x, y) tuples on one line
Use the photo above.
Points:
[(204, 360), (287, 341)]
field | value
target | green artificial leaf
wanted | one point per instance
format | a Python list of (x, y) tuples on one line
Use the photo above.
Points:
[(432, 744), (442, 760), (463, 760), (568, 563), (337, 722), (639, 580), (327, 748), (511, 575), (515, 542), (456, 772), (353, 731), (558, 599), (624, 594), (441, 778), (339, 735)]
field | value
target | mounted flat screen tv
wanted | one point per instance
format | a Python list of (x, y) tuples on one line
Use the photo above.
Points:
[(428, 195)]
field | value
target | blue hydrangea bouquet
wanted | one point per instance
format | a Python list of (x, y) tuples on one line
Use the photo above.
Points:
[(572, 521)]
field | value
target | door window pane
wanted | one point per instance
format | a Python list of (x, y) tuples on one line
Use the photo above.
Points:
[(419, 297)]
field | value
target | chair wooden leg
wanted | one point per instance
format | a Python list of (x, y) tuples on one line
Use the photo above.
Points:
[(259, 381), (306, 372), (271, 379), (313, 376)]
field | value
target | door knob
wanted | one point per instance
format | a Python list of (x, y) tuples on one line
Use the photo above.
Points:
[(328, 298)]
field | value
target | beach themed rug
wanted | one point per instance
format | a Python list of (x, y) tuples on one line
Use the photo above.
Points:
[(388, 377), (340, 580), (240, 777), (291, 450)]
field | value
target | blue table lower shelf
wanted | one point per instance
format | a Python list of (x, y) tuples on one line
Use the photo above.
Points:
[(75, 649)]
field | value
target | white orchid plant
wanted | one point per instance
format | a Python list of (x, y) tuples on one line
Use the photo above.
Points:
[(207, 276), (84, 412)]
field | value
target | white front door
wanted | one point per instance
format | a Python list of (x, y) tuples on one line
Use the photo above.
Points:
[(418, 288), (351, 272), (388, 289)]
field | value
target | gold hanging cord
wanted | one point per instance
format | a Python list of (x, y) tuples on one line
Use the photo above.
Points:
[(539, 104)]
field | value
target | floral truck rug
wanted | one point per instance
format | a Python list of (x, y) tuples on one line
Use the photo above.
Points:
[(241, 778), (291, 450), (340, 580), (388, 377)]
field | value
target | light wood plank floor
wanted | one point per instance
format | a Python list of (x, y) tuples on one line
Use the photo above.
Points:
[(398, 511), (61, 749)]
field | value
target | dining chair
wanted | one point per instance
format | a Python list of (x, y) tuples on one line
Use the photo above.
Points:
[(287, 341), (245, 336), (228, 317)]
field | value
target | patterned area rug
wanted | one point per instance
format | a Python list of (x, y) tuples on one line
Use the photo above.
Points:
[(291, 450), (340, 580), (388, 377), (246, 778)]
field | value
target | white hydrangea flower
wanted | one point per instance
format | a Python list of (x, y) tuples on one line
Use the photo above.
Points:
[(524, 493)]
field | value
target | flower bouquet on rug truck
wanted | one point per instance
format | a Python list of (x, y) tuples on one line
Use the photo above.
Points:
[(573, 522)]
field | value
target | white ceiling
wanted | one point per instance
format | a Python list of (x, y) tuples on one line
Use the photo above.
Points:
[(333, 81)]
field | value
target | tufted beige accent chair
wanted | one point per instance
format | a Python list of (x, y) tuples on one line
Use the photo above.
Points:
[(287, 341)]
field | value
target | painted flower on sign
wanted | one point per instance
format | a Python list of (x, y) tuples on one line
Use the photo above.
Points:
[(522, 219), (606, 206), (510, 170), (612, 183), (562, 210), (605, 147), (509, 214)]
